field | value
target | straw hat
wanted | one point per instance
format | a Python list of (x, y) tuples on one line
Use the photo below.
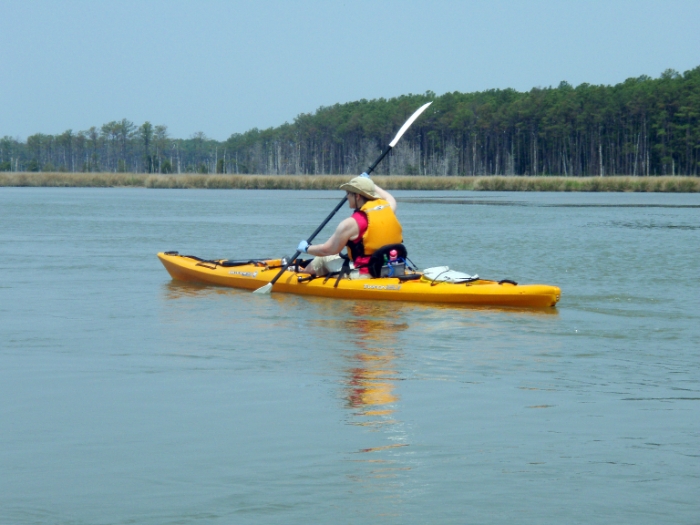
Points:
[(362, 186)]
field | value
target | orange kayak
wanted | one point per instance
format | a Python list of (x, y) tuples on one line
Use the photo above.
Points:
[(413, 286)]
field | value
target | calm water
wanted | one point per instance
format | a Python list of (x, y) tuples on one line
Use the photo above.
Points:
[(129, 398)]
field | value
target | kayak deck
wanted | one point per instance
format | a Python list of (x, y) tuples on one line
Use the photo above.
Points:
[(416, 288)]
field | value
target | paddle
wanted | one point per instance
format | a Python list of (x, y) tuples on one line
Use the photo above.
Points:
[(268, 287)]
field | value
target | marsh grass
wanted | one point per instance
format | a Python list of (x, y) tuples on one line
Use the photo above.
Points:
[(328, 182)]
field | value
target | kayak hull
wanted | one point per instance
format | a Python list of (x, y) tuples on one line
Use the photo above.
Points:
[(255, 275)]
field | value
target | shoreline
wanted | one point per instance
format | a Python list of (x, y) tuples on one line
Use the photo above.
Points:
[(664, 184)]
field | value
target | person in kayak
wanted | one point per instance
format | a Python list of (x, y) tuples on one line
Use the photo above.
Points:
[(372, 225)]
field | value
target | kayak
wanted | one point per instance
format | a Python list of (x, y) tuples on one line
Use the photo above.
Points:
[(413, 286)]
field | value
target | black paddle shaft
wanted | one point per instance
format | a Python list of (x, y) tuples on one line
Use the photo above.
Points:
[(384, 153), (311, 238)]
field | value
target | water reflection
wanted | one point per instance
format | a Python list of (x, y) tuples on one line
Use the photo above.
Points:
[(370, 376), (173, 290), (250, 305), (371, 330), (371, 384)]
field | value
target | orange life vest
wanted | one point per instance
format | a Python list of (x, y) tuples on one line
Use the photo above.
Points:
[(382, 228)]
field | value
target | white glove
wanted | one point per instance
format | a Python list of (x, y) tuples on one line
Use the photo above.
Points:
[(303, 246)]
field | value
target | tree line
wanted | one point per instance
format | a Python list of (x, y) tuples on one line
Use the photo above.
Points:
[(642, 126)]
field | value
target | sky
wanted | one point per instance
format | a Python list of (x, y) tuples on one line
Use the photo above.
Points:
[(225, 66)]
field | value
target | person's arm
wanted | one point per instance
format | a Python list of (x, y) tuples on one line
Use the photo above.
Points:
[(345, 231), (386, 196)]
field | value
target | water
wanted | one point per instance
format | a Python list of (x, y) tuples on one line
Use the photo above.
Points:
[(129, 398)]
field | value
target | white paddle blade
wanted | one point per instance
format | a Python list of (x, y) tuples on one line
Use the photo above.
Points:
[(265, 290), (408, 123)]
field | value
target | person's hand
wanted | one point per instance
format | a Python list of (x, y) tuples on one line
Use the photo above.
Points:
[(303, 246), (365, 175)]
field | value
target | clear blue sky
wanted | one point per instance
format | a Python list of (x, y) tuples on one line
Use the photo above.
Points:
[(223, 67)]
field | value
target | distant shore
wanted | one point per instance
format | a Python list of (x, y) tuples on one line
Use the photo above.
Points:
[(672, 184)]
